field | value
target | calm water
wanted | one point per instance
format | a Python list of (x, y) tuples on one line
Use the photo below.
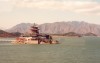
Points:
[(71, 50)]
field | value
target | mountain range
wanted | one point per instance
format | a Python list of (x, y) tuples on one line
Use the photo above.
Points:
[(6, 34), (22, 28), (59, 27)]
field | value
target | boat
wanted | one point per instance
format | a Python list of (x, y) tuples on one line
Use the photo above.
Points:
[(35, 38), (30, 40)]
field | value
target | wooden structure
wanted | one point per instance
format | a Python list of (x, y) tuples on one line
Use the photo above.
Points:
[(35, 31), (37, 36)]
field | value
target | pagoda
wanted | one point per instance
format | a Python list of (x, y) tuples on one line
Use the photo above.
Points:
[(35, 31)]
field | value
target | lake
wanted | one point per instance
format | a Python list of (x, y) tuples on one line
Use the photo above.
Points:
[(70, 50)]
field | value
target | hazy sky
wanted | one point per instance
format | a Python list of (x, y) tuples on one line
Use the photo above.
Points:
[(13, 12)]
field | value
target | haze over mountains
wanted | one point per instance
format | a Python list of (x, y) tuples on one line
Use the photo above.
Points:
[(59, 27), (22, 28)]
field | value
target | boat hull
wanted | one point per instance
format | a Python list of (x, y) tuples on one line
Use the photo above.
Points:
[(33, 42)]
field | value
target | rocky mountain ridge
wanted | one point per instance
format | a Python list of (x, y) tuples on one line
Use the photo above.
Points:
[(59, 28)]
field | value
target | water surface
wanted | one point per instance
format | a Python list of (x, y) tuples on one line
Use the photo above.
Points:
[(70, 50)]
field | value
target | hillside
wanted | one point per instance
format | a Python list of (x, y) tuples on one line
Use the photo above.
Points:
[(90, 34), (22, 28), (72, 34), (6, 34), (60, 28)]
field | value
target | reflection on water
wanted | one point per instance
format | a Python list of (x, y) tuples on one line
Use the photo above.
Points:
[(70, 50), (6, 41)]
